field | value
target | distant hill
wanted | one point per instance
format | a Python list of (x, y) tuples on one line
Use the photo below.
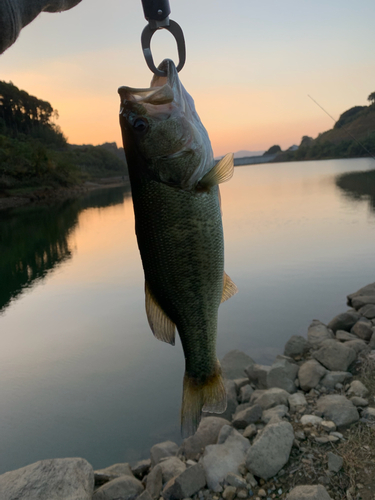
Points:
[(243, 153), (352, 136), (358, 122)]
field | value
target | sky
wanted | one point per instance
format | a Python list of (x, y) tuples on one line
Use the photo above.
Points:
[(250, 65)]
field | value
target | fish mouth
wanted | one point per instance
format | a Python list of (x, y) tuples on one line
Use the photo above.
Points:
[(164, 90)]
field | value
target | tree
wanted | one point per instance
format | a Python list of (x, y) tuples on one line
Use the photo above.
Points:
[(273, 150), (22, 112), (306, 141), (371, 98)]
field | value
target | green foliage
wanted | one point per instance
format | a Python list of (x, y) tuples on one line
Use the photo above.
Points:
[(306, 141), (97, 161), (34, 151), (27, 162), (319, 150), (348, 116), (22, 113), (371, 98), (273, 150)]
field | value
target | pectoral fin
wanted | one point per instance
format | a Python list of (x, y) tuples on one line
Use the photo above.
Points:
[(221, 172), (162, 327), (229, 288)]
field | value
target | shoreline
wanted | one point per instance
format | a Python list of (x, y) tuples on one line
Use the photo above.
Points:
[(302, 428), (49, 195)]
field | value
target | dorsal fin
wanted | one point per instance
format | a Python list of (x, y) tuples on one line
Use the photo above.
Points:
[(221, 172), (162, 327), (229, 288)]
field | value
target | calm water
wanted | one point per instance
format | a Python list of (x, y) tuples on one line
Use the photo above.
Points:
[(80, 372)]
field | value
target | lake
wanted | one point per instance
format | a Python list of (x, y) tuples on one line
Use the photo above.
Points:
[(80, 371)]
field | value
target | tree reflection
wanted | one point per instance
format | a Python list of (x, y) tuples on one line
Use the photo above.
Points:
[(358, 186), (34, 240)]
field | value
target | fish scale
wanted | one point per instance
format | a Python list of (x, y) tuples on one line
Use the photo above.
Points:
[(181, 246)]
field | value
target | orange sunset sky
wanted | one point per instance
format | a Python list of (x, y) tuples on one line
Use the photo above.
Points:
[(250, 65)]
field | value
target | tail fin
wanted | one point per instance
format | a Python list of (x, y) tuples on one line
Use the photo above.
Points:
[(197, 397)]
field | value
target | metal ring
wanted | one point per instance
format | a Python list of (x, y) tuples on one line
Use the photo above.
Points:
[(176, 31)]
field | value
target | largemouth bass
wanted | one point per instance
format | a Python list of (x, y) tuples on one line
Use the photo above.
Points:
[(174, 182)]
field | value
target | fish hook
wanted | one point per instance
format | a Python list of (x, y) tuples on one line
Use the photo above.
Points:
[(157, 14)]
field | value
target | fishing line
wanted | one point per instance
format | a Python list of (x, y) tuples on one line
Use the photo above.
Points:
[(347, 131)]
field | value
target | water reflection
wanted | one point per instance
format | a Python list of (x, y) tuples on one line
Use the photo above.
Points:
[(34, 240), (358, 186)]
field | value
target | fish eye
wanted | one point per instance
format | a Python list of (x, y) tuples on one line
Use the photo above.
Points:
[(140, 124)]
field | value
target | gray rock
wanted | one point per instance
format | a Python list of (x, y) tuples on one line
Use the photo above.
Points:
[(338, 409), (342, 336), (185, 484), (282, 374), (369, 413), (250, 431), (224, 433), (258, 375), (122, 488), (317, 333), (310, 374), (171, 467), (241, 408), (56, 479), (363, 329), (141, 468), (371, 344), (113, 472), (154, 481), (295, 346), (328, 425), (300, 435), (234, 363), (246, 417), (163, 450), (240, 382), (229, 493), (269, 398), (311, 420), (235, 480), (335, 462), (296, 401), (358, 345), (245, 393), (220, 459), (362, 300), (282, 357), (357, 401), (315, 492), (231, 390), (343, 321), (207, 433), (270, 451), (357, 389), (368, 311), (145, 495), (274, 414), (335, 356), (366, 290)]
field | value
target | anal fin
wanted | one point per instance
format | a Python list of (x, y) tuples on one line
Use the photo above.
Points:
[(229, 288), (162, 327)]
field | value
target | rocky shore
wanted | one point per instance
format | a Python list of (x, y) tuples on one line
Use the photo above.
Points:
[(300, 429)]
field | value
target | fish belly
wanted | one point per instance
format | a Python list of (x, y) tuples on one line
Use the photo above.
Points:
[(180, 238)]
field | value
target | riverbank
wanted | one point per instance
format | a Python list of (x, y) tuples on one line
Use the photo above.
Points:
[(301, 428), (48, 195)]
